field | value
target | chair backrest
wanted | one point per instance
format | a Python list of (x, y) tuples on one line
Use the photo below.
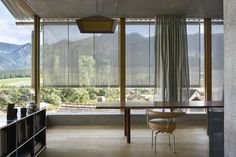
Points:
[(154, 114)]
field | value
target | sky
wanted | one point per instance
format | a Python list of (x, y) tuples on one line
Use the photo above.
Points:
[(9, 32)]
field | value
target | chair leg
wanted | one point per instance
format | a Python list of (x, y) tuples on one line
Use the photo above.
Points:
[(173, 143), (169, 139), (152, 137), (156, 140)]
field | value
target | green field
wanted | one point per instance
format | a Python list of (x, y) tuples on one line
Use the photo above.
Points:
[(16, 81)]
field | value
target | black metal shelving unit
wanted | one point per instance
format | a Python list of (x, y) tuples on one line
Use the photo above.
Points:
[(23, 137)]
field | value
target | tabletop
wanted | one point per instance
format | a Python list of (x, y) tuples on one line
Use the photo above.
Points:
[(161, 104)]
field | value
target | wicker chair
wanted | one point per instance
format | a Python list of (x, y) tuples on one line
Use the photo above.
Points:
[(161, 122)]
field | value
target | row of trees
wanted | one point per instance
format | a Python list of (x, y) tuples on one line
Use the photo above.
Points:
[(56, 96), (77, 95), (15, 74)]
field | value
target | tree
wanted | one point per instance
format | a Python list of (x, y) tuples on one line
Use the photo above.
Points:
[(83, 96), (3, 101), (51, 95), (92, 93), (86, 70), (69, 95), (16, 95), (52, 99)]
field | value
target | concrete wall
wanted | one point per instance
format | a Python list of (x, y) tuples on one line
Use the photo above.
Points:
[(230, 78), (114, 119)]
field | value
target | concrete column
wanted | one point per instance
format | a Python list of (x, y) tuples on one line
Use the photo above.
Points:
[(230, 78)]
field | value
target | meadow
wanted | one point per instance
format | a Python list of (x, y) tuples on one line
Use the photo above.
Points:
[(24, 81)]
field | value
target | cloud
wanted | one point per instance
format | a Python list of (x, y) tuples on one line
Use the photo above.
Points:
[(10, 33)]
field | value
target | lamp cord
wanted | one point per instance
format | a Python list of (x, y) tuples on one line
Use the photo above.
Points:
[(97, 7)]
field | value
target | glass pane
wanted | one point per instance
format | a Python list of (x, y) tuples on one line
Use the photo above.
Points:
[(107, 59), (140, 60), (91, 62), (217, 60), (81, 58), (194, 53), (195, 30), (74, 59), (55, 45)]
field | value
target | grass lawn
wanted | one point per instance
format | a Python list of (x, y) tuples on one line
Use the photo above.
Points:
[(16, 81)]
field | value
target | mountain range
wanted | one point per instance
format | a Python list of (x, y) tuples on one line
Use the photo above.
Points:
[(18, 57), (15, 57)]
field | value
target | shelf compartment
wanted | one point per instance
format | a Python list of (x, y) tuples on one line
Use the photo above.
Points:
[(40, 141), (24, 130), (8, 140), (39, 121), (26, 150)]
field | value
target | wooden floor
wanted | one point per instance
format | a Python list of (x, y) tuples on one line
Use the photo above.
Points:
[(108, 141)]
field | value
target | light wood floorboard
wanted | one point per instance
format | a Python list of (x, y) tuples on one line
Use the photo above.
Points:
[(109, 141)]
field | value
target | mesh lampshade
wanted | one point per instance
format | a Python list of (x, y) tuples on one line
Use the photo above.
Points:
[(96, 24)]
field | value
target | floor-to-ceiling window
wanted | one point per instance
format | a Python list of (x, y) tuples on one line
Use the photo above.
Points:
[(195, 30), (140, 59), (87, 65), (79, 69)]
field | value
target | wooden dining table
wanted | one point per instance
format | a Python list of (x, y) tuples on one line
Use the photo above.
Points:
[(128, 106)]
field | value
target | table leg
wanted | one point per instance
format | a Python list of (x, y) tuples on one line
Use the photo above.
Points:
[(125, 122), (128, 126), (207, 121)]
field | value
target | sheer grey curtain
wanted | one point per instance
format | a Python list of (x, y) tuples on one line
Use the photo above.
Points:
[(172, 66)]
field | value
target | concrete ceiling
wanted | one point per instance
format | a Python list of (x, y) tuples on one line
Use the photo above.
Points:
[(126, 8)]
